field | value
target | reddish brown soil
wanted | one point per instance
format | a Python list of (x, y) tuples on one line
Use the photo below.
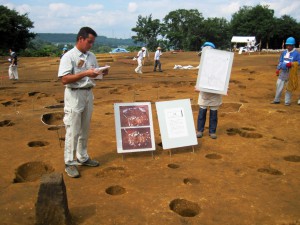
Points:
[(249, 175)]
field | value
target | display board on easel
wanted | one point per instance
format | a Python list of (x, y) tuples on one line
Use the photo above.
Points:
[(176, 123), (134, 127), (214, 71)]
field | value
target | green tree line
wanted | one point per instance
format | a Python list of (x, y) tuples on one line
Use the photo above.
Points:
[(180, 29), (188, 29)]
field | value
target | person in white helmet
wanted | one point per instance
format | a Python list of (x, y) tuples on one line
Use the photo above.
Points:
[(76, 71), (290, 58), (157, 59), (13, 67), (208, 100), (140, 56)]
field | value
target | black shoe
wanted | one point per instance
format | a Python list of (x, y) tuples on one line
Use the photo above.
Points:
[(89, 162), (274, 102)]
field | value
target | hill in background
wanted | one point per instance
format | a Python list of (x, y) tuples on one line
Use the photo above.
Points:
[(58, 38)]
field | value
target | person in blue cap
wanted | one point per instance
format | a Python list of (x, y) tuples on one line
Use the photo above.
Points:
[(65, 49), (289, 58), (208, 100)]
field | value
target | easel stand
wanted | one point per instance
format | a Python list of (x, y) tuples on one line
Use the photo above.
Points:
[(170, 151)]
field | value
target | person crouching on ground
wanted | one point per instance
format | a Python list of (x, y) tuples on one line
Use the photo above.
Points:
[(287, 72), (211, 101), (140, 57), (157, 60)]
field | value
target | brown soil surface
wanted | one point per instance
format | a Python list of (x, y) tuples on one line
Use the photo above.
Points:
[(249, 175)]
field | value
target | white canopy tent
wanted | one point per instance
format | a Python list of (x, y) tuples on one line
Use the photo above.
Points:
[(243, 39)]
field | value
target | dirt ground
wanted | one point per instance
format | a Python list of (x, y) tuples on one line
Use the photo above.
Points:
[(249, 175)]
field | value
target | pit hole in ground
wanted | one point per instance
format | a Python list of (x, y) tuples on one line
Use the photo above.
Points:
[(281, 111), (248, 129), (53, 128), (270, 171), (213, 156), (115, 190), (277, 138), (54, 107), (6, 123), (33, 93), (8, 103), (32, 171), (34, 144), (292, 158), (53, 118), (7, 88), (184, 207), (191, 181), (173, 166), (250, 135)]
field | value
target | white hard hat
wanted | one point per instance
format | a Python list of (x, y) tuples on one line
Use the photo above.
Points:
[(143, 48)]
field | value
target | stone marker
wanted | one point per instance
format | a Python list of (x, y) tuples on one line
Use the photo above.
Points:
[(51, 207)]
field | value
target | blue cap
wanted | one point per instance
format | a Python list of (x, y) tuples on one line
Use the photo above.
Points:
[(208, 44), (290, 41)]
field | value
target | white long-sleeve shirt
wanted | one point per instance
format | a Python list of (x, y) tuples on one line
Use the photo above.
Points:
[(157, 55)]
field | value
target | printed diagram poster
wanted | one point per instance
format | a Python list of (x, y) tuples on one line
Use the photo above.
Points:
[(214, 71), (134, 127), (176, 123)]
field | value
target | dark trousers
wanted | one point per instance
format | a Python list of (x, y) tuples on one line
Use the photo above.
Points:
[(213, 120), (157, 63)]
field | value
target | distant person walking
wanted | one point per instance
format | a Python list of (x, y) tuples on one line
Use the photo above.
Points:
[(140, 57), (13, 67), (65, 49), (76, 70), (287, 72), (157, 59), (211, 101)]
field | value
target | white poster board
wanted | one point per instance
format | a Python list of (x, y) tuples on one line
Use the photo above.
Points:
[(214, 71), (176, 123), (134, 127)]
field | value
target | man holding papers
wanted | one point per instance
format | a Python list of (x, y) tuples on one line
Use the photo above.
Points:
[(77, 70)]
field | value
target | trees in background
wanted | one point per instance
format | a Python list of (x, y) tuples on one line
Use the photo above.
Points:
[(188, 30), (258, 21), (147, 31), (182, 28), (14, 29)]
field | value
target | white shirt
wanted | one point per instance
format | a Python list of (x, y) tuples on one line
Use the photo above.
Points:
[(140, 55), (73, 62), (157, 55)]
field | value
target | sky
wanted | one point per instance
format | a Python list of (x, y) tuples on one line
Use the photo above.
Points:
[(115, 18)]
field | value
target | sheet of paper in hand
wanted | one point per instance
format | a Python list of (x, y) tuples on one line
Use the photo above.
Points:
[(214, 71), (99, 69)]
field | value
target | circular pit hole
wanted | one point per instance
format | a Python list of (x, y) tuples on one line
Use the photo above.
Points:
[(184, 207), (115, 190)]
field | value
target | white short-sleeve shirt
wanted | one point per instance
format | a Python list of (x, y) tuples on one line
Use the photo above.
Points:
[(73, 62)]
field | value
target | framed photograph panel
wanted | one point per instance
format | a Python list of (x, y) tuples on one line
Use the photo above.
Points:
[(134, 127), (214, 71), (176, 123)]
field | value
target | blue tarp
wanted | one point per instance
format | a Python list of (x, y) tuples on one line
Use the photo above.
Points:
[(118, 50)]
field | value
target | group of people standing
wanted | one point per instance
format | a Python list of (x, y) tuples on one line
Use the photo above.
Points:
[(143, 54)]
